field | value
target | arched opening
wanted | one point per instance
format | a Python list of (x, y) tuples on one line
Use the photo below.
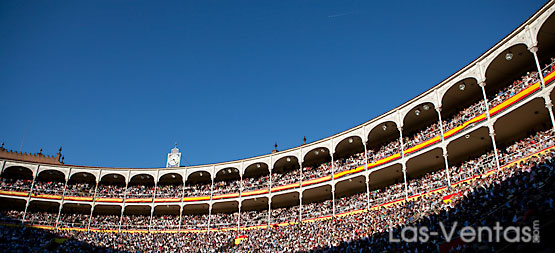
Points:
[(225, 214), (256, 177), (195, 217), (317, 163), (165, 217), (386, 185), (81, 184), (227, 181), (529, 126), (426, 172), (254, 212), (507, 76), (383, 141), (546, 45), (470, 155), (420, 124), (136, 217), (350, 195), (170, 186), (75, 215), (106, 217), (141, 186), (16, 178), (43, 213), (111, 186), (285, 208), (461, 102), (198, 184), (11, 210), (49, 182), (349, 154), (317, 202), (286, 171)]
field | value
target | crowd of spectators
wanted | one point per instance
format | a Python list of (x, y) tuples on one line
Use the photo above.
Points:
[(200, 189), (12, 184), (48, 187), (110, 191), (224, 220), (464, 115), (73, 220), (429, 132), (254, 218), (135, 222), (140, 191), (317, 209), (41, 218), (165, 222), (285, 214), (226, 186), (314, 172), (105, 221), (288, 177), (351, 162), (194, 221), (80, 189), (351, 202), (529, 185), (11, 216), (384, 151), (169, 191), (256, 183)]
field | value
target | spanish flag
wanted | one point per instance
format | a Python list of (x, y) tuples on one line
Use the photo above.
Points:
[(447, 198), (239, 238)]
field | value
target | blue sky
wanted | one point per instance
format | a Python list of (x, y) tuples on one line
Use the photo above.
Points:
[(117, 83)]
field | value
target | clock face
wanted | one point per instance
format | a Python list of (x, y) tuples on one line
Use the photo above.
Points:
[(173, 160)]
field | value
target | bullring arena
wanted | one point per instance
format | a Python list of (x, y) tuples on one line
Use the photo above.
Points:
[(476, 148)]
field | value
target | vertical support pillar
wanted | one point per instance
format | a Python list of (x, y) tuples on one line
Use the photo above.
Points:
[(490, 126), (153, 199), (301, 189), (62, 201), (367, 176), (30, 194), (94, 201), (124, 198), (443, 148), (332, 167), (240, 198), (182, 203), (403, 162), (211, 194), (270, 169), (534, 51)]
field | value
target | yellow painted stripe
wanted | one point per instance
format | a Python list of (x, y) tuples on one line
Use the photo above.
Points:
[(118, 200), (138, 200), (14, 193), (256, 192), (46, 196), (167, 200), (226, 196), (78, 198), (188, 199), (285, 187), (317, 180)]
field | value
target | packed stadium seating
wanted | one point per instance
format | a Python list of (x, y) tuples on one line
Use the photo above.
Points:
[(298, 208)]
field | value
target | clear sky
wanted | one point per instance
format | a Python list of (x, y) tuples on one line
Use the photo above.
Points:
[(117, 83)]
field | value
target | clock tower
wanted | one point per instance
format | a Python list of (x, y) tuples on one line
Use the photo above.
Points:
[(174, 158)]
